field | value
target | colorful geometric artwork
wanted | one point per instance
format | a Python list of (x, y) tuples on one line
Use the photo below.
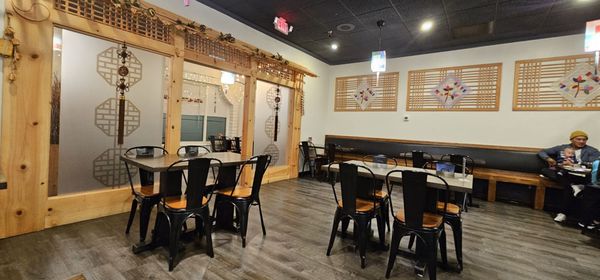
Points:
[(450, 91), (580, 86), (364, 94)]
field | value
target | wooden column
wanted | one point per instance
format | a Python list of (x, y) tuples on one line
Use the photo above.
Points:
[(25, 139), (248, 123), (173, 129), (294, 125)]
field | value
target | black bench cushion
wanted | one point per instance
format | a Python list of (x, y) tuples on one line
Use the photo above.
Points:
[(513, 160)]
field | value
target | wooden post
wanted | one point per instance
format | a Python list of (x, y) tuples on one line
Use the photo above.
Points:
[(173, 127), (295, 124), (491, 196), (248, 123), (24, 154)]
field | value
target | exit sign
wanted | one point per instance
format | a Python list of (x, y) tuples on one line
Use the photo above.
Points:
[(281, 25)]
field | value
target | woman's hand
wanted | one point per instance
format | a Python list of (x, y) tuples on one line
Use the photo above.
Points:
[(551, 162)]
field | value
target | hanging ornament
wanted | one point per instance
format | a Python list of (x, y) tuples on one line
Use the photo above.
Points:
[(277, 101), (122, 87), (215, 106)]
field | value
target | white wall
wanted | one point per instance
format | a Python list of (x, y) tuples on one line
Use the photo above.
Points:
[(315, 88), (505, 127)]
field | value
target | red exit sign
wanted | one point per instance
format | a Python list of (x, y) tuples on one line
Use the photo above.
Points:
[(282, 26)]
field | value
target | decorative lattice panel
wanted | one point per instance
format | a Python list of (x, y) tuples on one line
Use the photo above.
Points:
[(120, 18), (483, 82), (373, 95), (276, 69), (198, 43), (534, 79)]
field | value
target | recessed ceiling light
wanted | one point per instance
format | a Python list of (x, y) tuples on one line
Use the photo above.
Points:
[(334, 46), (427, 25)]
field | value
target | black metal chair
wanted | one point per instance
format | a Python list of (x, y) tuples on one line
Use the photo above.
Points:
[(177, 208), (361, 211), (216, 145), (381, 193), (194, 151), (237, 145), (419, 158), (312, 158), (227, 145), (242, 198), (418, 217), (469, 166), (146, 197)]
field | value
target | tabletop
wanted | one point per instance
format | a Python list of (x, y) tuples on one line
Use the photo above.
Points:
[(161, 163), (456, 183)]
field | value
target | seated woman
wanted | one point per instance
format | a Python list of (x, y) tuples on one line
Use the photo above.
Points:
[(584, 154)]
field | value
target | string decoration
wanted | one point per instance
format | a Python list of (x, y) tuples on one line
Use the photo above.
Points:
[(277, 101), (122, 87), (11, 49)]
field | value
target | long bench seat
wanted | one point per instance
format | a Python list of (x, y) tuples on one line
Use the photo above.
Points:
[(517, 165)]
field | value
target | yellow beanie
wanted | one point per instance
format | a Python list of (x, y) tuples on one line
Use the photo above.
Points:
[(578, 133)]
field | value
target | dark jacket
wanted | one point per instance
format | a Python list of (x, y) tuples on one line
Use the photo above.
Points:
[(588, 153)]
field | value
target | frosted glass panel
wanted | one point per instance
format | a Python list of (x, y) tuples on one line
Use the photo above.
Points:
[(88, 153), (264, 127)]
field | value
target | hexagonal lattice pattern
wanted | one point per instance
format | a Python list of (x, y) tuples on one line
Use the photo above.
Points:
[(272, 150), (108, 64), (107, 117), (270, 96), (110, 170)]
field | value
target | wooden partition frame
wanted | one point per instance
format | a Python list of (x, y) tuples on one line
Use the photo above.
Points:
[(25, 143)]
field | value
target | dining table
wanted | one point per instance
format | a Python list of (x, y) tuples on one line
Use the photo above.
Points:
[(170, 182)]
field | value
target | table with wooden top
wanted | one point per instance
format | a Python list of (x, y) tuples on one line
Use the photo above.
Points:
[(171, 185), (380, 170)]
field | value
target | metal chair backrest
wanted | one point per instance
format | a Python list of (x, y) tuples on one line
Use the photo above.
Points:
[(349, 186), (226, 143), (417, 197), (457, 160), (216, 145), (192, 150), (331, 152), (238, 145), (196, 189), (262, 163), (146, 177), (419, 158)]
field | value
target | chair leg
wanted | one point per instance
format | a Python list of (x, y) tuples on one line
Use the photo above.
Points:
[(411, 241), (262, 222), (456, 225), (386, 214), (134, 204), (432, 257), (336, 222), (208, 231), (381, 219), (464, 204), (363, 235), (345, 224), (145, 211), (175, 230), (393, 251), (442, 242), (243, 209)]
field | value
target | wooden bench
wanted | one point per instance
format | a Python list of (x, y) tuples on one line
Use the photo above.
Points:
[(530, 179)]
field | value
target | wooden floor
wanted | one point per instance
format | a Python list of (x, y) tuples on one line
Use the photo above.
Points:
[(501, 241)]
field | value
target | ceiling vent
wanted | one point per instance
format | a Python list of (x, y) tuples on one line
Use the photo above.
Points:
[(476, 30)]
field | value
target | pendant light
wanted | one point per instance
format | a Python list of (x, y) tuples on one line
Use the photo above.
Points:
[(378, 57)]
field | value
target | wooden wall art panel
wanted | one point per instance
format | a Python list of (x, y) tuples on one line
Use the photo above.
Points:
[(482, 81), (534, 80), (105, 12), (199, 43), (365, 93)]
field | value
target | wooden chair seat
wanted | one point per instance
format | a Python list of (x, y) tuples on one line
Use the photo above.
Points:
[(148, 191), (451, 208), (180, 202), (430, 220), (363, 205), (381, 194), (239, 192)]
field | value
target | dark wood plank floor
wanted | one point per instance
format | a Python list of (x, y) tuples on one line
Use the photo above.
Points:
[(501, 241)]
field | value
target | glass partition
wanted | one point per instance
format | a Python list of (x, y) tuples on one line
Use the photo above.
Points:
[(84, 147), (271, 121), (211, 104)]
